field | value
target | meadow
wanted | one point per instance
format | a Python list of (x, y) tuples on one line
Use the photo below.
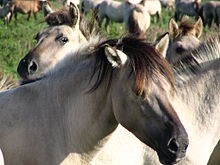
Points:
[(17, 38)]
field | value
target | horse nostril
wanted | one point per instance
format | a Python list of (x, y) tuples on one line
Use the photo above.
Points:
[(173, 146), (32, 67)]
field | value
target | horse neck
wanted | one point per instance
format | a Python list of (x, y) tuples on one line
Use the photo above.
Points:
[(89, 111), (198, 107)]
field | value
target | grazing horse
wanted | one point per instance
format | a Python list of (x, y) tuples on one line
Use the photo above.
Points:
[(183, 38), (111, 10), (134, 16), (53, 43), (197, 103), (208, 12), (153, 7), (170, 4), (89, 5), (185, 7), (61, 121), (26, 7), (6, 13)]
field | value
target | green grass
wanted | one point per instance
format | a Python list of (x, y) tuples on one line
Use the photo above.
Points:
[(17, 39)]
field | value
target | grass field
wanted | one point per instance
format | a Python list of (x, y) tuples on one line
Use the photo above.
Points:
[(18, 38)]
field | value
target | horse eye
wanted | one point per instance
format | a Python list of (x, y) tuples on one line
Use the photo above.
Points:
[(64, 40), (180, 50)]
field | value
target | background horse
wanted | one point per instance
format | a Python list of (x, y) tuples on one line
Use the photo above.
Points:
[(53, 43), (102, 71), (185, 7), (208, 12), (134, 16), (6, 13), (26, 7), (183, 38), (89, 5), (111, 10), (153, 7)]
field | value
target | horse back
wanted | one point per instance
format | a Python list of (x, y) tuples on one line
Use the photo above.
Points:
[(25, 7)]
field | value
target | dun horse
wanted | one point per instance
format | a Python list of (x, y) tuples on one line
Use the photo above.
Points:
[(153, 7), (53, 43), (61, 121), (197, 102), (183, 38)]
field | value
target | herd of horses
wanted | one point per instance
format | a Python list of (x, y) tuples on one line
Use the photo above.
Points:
[(90, 100)]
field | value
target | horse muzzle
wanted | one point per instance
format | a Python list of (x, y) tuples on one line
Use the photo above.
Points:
[(26, 68), (174, 151)]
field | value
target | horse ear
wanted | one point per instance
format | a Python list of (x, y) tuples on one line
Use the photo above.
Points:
[(74, 14), (173, 28), (198, 27), (162, 44), (116, 57)]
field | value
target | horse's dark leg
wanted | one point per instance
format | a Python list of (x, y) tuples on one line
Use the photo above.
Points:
[(158, 16), (83, 7), (35, 16), (100, 20), (176, 16), (16, 16), (107, 24), (29, 15), (210, 21), (154, 18)]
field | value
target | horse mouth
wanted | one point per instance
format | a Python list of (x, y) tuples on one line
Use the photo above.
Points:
[(168, 159)]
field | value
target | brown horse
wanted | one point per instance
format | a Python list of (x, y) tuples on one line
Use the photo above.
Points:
[(26, 7)]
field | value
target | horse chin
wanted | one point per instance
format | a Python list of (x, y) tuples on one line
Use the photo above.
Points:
[(168, 160)]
